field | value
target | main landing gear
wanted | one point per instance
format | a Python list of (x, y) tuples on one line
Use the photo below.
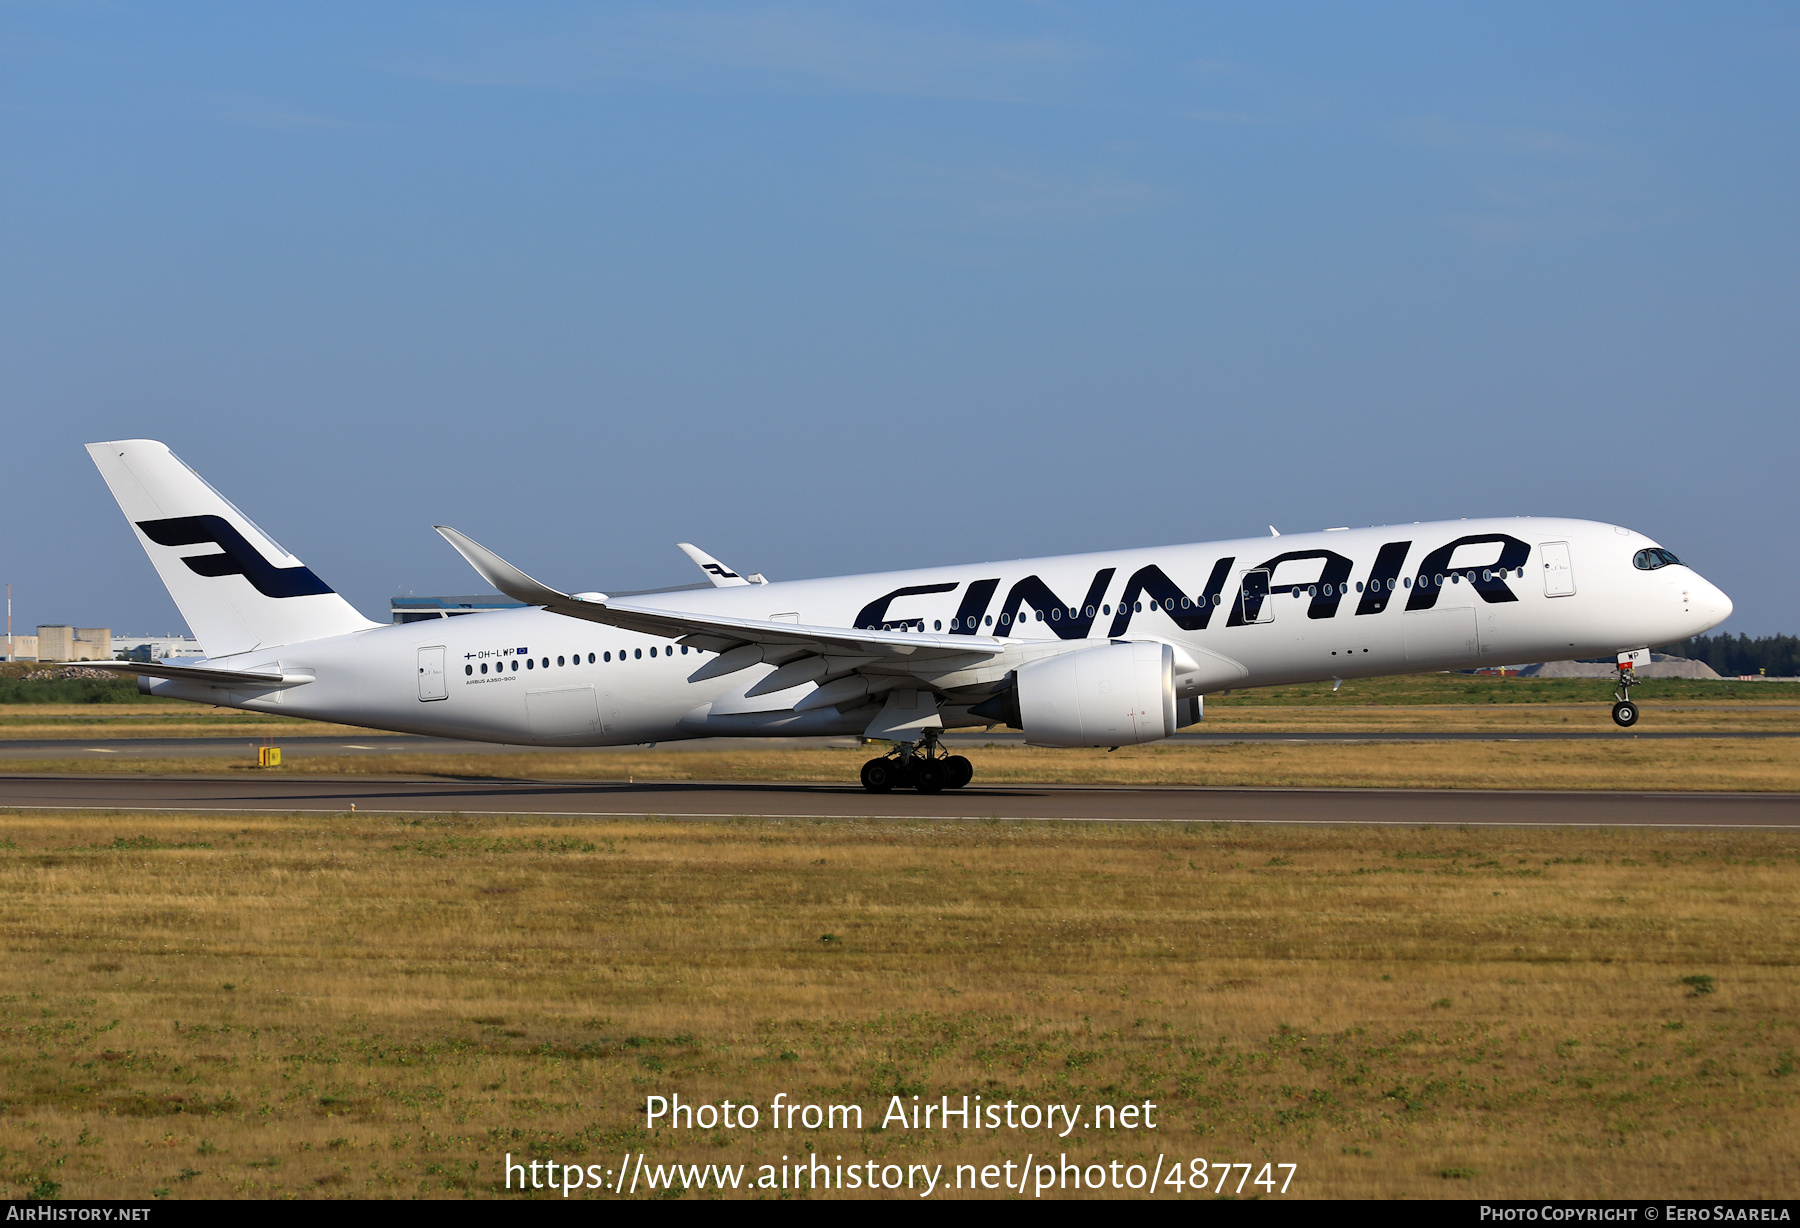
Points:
[(923, 767), (1625, 713)]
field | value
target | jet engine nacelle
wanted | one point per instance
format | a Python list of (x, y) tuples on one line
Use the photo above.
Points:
[(1117, 695)]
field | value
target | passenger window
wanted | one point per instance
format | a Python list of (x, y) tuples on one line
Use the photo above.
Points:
[(990, 620), (484, 667), (653, 652), (638, 653), (590, 658), (468, 669), (529, 663), (559, 660), (684, 648)]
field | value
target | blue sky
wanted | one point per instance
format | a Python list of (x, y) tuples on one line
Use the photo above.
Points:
[(840, 288)]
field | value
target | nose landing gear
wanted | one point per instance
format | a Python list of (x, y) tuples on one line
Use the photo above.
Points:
[(923, 767), (1625, 713)]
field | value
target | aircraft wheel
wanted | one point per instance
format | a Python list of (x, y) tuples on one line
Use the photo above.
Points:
[(958, 771), (879, 775), (930, 776), (1625, 714)]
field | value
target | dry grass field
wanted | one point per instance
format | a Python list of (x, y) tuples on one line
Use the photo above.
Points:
[(161, 719), (217, 1005), (1740, 765)]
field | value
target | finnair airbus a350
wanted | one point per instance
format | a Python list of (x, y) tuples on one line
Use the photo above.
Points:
[(1104, 649)]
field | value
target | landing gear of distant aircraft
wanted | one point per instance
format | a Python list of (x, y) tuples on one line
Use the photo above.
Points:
[(1625, 713), (923, 767)]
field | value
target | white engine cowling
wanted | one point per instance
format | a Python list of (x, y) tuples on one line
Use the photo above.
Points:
[(1117, 695)]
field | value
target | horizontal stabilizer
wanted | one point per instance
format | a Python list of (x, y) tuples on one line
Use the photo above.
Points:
[(200, 674)]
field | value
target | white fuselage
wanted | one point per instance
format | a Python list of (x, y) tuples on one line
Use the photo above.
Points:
[(1543, 589)]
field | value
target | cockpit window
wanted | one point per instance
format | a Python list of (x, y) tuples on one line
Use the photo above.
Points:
[(1651, 559)]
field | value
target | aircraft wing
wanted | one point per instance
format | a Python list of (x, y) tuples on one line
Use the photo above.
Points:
[(721, 633), (200, 674)]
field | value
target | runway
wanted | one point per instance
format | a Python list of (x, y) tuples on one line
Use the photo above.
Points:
[(811, 801), (76, 747)]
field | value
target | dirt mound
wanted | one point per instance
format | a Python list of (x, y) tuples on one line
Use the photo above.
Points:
[(1661, 666)]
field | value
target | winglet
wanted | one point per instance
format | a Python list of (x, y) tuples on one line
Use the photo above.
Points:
[(500, 573), (721, 575)]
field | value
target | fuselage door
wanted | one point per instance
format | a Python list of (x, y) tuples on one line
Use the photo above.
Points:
[(432, 684), (1559, 575), (1254, 594)]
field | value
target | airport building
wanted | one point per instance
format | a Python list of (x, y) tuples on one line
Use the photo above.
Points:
[(61, 642), (418, 609), (154, 647)]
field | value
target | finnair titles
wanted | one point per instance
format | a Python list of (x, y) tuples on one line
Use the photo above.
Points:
[(1107, 649)]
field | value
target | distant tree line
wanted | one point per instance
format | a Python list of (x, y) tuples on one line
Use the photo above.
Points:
[(1775, 655)]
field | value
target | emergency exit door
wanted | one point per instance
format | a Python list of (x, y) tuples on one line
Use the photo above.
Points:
[(1253, 596), (432, 684), (1559, 575)]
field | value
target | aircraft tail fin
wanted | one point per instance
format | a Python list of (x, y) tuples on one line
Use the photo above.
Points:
[(236, 587), (721, 575)]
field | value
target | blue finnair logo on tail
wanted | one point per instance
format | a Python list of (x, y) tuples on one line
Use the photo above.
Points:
[(240, 557)]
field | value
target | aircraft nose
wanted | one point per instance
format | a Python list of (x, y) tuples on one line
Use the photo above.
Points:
[(1710, 602)]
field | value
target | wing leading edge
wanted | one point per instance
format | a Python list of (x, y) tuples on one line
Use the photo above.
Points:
[(721, 633)]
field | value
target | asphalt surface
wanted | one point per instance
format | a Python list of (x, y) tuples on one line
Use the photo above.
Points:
[(701, 800), (76, 747)]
